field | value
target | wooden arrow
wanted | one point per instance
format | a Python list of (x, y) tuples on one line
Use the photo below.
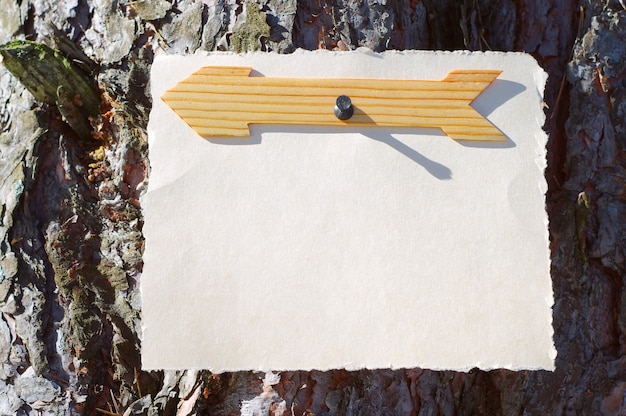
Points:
[(223, 101)]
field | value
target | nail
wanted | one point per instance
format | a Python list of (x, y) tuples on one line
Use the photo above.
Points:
[(343, 107)]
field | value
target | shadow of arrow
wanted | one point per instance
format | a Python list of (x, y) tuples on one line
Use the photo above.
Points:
[(436, 169), (484, 104), (499, 92), (255, 138)]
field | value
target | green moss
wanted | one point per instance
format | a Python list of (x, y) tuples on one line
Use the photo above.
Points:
[(53, 79), (115, 276), (246, 36), (86, 324)]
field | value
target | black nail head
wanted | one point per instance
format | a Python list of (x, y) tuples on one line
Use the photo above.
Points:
[(343, 107)]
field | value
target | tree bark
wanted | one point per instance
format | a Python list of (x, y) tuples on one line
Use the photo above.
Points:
[(70, 218)]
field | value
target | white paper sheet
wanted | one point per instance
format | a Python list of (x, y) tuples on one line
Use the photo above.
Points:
[(321, 248)]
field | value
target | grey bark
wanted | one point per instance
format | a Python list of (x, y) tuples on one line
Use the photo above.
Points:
[(70, 221)]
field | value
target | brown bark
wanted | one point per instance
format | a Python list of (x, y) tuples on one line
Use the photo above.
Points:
[(70, 223)]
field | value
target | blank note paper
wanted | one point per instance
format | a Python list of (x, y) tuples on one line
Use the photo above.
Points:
[(310, 246)]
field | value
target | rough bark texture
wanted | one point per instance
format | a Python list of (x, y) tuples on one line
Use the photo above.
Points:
[(70, 220)]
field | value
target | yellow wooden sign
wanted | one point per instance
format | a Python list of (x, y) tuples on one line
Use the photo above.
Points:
[(225, 100)]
